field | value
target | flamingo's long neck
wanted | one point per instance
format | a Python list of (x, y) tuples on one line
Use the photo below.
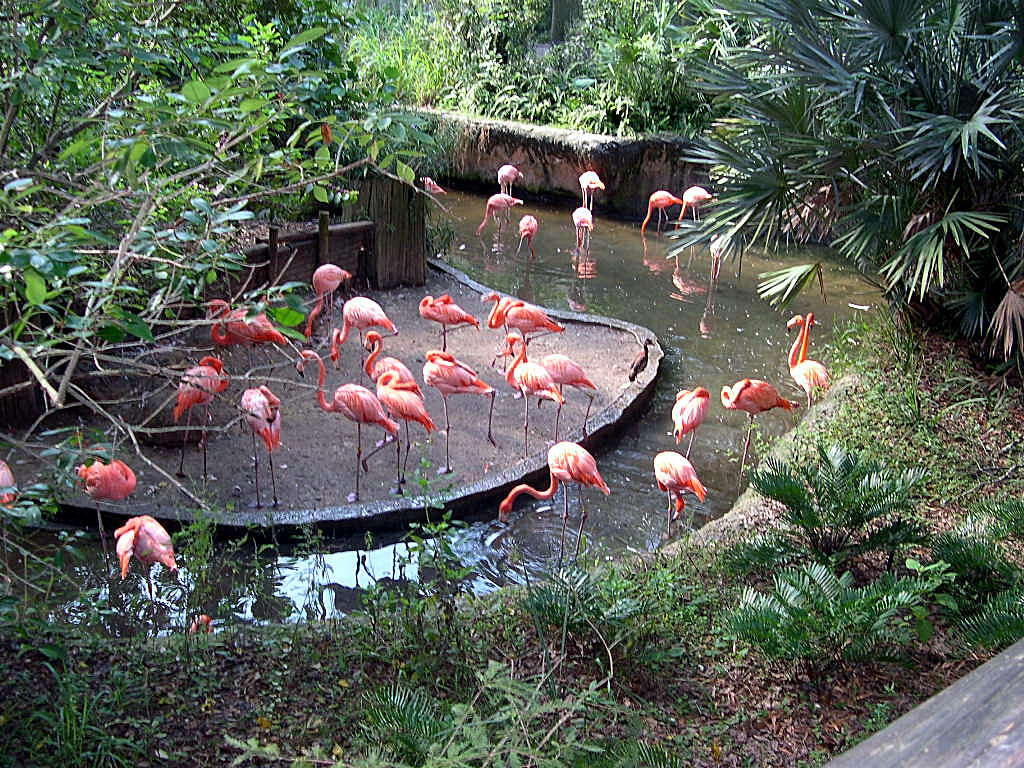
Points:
[(520, 358), (372, 358), (321, 396), (650, 207), (531, 491), (794, 352), (494, 318), (808, 321)]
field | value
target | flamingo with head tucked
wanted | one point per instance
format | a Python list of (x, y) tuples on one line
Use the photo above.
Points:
[(6, 481), (674, 474), (326, 279), (453, 377), (198, 386), (808, 374), (236, 328), (446, 312), (753, 396), (689, 412), (432, 186), (354, 402), (567, 463), (106, 482), (262, 410)]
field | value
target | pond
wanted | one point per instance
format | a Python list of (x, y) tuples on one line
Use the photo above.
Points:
[(713, 335)]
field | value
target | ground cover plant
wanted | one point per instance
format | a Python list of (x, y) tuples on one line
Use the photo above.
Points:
[(656, 660)]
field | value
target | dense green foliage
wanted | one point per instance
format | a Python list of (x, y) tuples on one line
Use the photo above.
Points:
[(624, 67), (892, 131)]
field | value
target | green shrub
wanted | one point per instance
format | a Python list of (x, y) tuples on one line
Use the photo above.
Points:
[(837, 508), (813, 616)]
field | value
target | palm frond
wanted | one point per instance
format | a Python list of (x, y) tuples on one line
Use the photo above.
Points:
[(1007, 329), (779, 288)]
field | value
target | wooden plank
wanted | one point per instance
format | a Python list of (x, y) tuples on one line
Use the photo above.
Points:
[(975, 722)]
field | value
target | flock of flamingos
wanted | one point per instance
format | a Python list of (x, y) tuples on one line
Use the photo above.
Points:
[(398, 397)]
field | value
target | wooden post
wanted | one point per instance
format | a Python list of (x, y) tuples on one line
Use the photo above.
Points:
[(400, 243), (272, 253), (323, 251)]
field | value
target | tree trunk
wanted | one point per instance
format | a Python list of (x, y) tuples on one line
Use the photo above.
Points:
[(562, 14)]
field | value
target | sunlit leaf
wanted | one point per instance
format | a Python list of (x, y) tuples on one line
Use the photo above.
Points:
[(782, 286), (35, 287)]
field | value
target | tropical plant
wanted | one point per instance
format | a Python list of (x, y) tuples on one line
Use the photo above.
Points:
[(891, 131), (832, 510), (820, 619)]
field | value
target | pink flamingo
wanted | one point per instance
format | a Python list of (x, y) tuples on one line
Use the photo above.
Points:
[(453, 377), (583, 220), (566, 372), (689, 412), (201, 624), (808, 374), (529, 379), (361, 313), (567, 463), (516, 313), (148, 541), (528, 230), (198, 386), (432, 186), (374, 367), (263, 414), (106, 482), (402, 402), (354, 402), (694, 197), (446, 312), (660, 200), (753, 396), (674, 474), (495, 203), (6, 481), (507, 176), (326, 279), (589, 181), (237, 329)]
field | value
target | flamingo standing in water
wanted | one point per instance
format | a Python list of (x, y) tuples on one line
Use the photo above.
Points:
[(326, 280), (432, 186), (529, 379), (528, 230), (6, 481), (495, 203), (660, 200), (374, 368), (507, 176), (446, 312), (453, 377), (237, 328), (148, 541), (566, 372), (589, 181), (689, 412), (694, 197), (583, 220), (354, 402), (753, 396), (106, 482), (198, 386), (808, 374), (402, 402), (674, 473), (263, 414), (567, 463)]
